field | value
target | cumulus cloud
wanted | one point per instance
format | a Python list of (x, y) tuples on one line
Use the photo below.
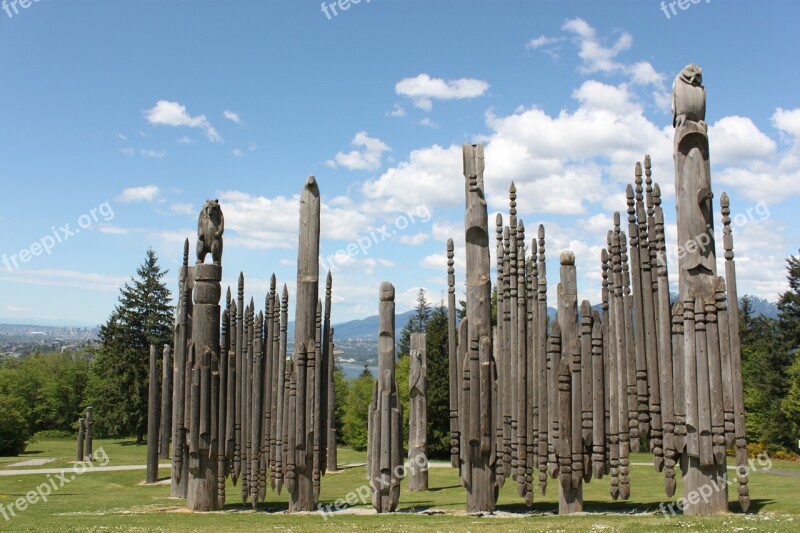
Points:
[(430, 175), (416, 239), (166, 113), (737, 139), (154, 154), (232, 116), (423, 89), (147, 193), (367, 155), (598, 56)]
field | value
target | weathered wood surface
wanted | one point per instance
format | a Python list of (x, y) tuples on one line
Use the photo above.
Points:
[(153, 418), (418, 414), (385, 434)]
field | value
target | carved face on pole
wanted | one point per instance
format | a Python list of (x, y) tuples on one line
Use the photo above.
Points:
[(692, 74)]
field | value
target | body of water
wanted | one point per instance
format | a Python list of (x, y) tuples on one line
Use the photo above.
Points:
[(353, 370)]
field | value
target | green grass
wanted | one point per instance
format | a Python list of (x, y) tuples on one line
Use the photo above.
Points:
[(115, 501)]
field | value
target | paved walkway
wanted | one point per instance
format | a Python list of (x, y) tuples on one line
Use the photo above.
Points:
[(69, 469)]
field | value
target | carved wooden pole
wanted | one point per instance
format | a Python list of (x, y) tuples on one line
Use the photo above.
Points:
[(532, 284), (541, 364), (737, 392), (202, 491), (89, 421), (570, 398), (180, 473), (418, 414), (697, 279), (329, 422), (301, 498), (599, 450), (81, 428), (166, 403), (521, 370), (239, 350), (665, 356), (385, 435), (153, 411), (452, 352), (479, 439), (281, 399), (638, 314)]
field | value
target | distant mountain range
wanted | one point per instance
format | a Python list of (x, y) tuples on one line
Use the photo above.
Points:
[(762, 307), (365, 329)]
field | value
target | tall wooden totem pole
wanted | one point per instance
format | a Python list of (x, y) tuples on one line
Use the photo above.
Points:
[(712, 370), (479, 373)]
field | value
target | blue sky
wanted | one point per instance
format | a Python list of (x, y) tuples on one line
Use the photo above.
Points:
[(142, 110)]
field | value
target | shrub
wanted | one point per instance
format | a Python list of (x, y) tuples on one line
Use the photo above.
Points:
[(14, 432)]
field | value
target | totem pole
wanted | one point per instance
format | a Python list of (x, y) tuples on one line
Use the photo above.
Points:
[(153, 425), (478, 433), (204, 358), (385, 433), (418, 413)]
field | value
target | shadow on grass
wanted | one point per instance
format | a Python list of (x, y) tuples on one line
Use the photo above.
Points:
[(439, 489), (130, 443)]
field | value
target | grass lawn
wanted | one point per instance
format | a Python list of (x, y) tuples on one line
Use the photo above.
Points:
[(116, 501)]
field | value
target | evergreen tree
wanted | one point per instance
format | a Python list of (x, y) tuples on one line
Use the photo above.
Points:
[(438, 366), (354, 423), (340, 384), (416, 324), (789, 305), (789, 327), (764, 375), (118, 382)]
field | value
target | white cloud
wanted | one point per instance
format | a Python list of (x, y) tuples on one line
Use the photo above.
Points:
[(237, 152), (174, 114), (122, 137), (182, 209), (738, 139), (263, 223), (598, 57), (15, 309), (787, 121), (428, 123), (397, 111), (431, 175), (148, 193), (761, 172), (65, 278), (543, 40), (416, 239), (129, 152), (423, 89), (154, 154), (233, 116), (366, 156), (186, 140)]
